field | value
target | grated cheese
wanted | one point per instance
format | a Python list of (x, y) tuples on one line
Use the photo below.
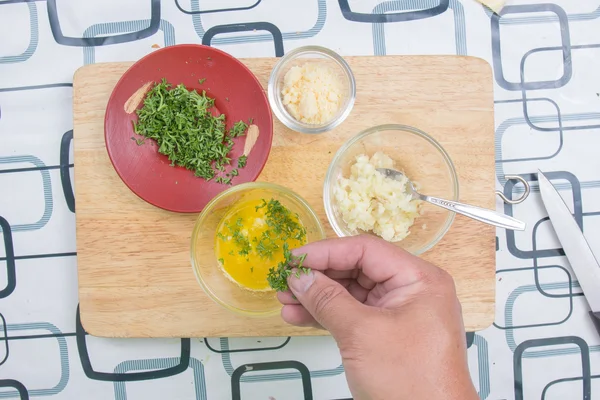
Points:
[(312, 93)]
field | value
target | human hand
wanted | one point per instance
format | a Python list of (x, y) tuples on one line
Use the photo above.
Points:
[(394, 316)]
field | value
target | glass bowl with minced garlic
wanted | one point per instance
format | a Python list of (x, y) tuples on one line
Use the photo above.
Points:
[(359, 199), (242, 242), (311, 89)]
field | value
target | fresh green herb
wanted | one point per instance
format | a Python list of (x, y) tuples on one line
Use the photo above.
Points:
[(242, 161), (231, 253), (251, 269), (239, 238), (234, 172), (266, 246), (278, 276), (201, 81), (245, 251), (281, 220), (238, 129), (282, 226), (222, 261), (263, 205), (186, 131), (221, 236)]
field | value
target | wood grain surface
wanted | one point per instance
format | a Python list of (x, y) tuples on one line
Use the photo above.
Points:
[(135, 277)]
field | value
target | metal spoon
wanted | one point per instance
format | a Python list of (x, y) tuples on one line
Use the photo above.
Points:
[(480, 214)]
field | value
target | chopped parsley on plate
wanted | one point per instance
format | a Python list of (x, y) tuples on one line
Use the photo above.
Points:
[(182, 123)]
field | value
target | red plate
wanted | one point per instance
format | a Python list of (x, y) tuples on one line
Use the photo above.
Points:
[(237, 94)]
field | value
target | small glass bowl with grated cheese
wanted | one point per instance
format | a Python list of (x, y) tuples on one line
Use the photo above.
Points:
[(356, 195), (312, 89)]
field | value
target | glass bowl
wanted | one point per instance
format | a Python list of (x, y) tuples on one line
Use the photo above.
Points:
[(204, 261), (298, 57), (423, 161)]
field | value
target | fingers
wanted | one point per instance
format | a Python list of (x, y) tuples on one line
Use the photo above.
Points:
[(352, 286), (358, 291), (328, 302), (297, 315), (287, 298), (377, 259), (346, 274)]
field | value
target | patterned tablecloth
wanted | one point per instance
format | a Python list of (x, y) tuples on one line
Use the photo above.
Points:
[(546, 61)]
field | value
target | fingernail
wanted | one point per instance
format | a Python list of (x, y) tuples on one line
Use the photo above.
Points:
[(301, 282)]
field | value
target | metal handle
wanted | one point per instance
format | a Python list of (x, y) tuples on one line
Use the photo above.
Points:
[(480, 214), (520, 199)]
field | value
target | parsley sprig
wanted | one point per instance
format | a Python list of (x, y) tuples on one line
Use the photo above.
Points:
[(283, 225), (278, 276), (187, 132), (239, 238), (281, 221)]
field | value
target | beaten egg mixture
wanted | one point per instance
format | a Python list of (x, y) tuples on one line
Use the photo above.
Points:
[(250, 240)]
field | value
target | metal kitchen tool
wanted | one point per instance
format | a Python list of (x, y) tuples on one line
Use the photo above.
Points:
[(578, 251), (484, 215), (520, 199)]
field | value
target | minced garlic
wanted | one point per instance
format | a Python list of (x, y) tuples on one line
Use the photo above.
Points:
[(370, 201), (312, 93)]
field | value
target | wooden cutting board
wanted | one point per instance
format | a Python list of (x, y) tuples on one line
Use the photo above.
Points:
[(135, 277)]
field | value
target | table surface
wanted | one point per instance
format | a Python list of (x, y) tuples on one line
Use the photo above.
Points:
[(546, 59)]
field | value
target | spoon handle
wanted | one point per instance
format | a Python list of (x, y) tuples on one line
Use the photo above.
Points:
[(480, 214)]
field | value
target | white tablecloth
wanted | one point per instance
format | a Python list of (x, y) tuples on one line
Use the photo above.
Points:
[(546, 61)]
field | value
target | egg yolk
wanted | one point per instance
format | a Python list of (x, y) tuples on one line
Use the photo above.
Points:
[(250, 238)]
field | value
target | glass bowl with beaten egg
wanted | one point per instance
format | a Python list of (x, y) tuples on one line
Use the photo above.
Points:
[(360, 199), (243, 233), (311, 89)]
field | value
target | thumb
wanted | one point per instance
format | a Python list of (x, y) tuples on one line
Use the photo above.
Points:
[(330, 304)]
